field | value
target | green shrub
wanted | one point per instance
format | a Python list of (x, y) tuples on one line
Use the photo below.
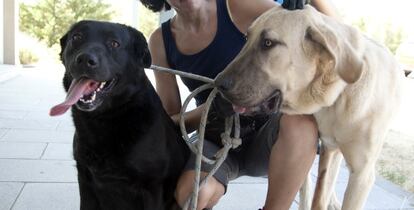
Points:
[(48, 20), (148, 21), (386, 33), (27, 56)]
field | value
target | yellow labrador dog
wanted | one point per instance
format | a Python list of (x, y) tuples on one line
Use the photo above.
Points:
[(307, 63)]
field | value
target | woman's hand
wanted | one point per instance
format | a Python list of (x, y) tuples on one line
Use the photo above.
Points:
[(324, 6), (192, 118)]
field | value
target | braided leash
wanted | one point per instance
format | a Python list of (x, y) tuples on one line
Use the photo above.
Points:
[(228, 141)]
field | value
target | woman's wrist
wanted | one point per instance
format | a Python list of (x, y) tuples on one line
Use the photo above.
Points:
[(176, 119)]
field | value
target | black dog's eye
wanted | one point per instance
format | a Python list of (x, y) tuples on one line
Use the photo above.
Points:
[(114, 44), (76, 37)]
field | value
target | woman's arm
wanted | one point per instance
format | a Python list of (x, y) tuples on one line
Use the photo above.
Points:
[(166, 85), (244, 12), (326, 7)]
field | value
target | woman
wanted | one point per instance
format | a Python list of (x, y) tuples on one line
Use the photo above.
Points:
[(202, 38)]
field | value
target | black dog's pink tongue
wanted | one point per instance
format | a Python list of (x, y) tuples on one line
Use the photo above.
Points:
[(77, 89)]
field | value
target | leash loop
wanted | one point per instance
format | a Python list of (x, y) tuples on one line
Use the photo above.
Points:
[(228, 141)]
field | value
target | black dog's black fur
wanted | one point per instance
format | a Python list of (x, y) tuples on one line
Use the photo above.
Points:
[(129, 153)]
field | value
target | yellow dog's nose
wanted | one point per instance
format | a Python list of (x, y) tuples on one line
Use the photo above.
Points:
[(223, 83)]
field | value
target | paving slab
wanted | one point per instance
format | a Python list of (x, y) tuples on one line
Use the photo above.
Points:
[(19, 99), (21, 150), (12, 95), (66, 125), (250, 180), (29, 124), (36, 115), (8, 72), (8, 194), (407, 197), (32, 96), (48, 196), (3, 132), (243, 197), (17, 170), (58, 151), (9, 114), (19, 135), (378, 199), (52, 101), (23, 107)]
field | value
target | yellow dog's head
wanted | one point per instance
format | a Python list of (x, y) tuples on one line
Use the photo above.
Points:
[(300, 58)]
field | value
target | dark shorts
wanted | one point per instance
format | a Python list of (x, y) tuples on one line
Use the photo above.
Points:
[(250, 158)]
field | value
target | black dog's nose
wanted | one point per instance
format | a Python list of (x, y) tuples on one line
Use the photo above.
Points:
[(87, 60), (224, 83)]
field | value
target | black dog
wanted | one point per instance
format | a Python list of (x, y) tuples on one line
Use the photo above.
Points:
[(129, 153)]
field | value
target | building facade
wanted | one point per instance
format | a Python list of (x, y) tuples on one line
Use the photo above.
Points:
[(8, 32)]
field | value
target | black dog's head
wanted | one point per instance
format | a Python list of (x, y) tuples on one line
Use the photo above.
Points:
[(104, 62)]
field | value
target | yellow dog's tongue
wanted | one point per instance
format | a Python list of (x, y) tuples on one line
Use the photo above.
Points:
[(77, 89), (239, 109)]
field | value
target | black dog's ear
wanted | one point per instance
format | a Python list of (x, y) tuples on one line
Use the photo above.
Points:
[(67, 80), (63, 42), (146, 57), (140, 47)]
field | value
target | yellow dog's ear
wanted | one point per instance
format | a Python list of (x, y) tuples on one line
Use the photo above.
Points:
[(347, 63)]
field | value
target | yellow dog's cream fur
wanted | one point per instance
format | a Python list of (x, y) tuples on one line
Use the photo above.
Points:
[(322, 67)]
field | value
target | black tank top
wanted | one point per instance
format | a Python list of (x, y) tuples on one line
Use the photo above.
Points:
[(210, 61)]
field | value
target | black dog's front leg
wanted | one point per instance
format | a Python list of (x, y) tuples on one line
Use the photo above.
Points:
[(88, 199)]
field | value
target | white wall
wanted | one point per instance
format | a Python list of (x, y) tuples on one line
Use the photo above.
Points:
[(1, 32), (126, 12)]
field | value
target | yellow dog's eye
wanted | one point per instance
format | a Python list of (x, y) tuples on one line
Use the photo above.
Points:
[(115, 44), (268, 43)]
